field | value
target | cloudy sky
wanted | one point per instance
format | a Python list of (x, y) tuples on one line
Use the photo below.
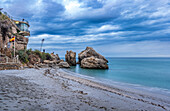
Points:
[(115, 28)]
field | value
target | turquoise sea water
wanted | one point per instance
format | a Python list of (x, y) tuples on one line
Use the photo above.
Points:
[(150, 72)]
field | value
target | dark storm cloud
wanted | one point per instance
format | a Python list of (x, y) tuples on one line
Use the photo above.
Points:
[(75, 24)]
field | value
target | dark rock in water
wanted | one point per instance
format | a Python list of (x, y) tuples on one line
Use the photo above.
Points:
[(89, 58), (78, 62), (89, 52), (64, 65), (70, 58), (94, 63)]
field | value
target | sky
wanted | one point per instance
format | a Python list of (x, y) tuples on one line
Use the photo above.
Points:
[(114, 28)]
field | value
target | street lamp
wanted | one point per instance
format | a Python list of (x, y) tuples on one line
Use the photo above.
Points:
[(41, 44)]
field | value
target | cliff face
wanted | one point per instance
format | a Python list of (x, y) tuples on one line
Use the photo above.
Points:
[(7, 30)]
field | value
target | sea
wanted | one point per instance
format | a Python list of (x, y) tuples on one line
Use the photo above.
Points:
[(149, 73)]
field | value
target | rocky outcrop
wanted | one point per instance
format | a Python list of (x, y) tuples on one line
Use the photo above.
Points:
[(49, 62), (70, 58), (34, 59), (89, 52), (7, 66), (94, 63), (89, 58), (21, 42), (55, 57), (7, 30), (64, 65)]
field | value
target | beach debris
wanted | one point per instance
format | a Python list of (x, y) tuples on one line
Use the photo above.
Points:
[(89, 58), (47, 71), (70, 58), (81, 92), (64, 65)]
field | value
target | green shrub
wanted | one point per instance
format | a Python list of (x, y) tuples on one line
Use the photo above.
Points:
[(29, 51), (37, 52), (23, 57), (3, 17), (43, 56), (48, 56)]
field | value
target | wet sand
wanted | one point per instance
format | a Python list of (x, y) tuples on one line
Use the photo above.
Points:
[(34, 90)]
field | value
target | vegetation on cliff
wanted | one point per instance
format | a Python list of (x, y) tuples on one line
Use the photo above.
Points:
[(25, 56)]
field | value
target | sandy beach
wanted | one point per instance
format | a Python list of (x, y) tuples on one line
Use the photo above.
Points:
[(39, 90)]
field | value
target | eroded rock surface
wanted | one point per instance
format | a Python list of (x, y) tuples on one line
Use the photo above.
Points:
[(64, 65), (70, 58), (7, 30), (94, 63), (34, 59), (89, 58), (88, 52), (55, 57)]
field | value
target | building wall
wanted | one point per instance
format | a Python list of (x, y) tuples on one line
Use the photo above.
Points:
[(21, 41)]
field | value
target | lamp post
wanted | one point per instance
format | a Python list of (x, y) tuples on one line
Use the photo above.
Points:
[(41, 44), (1, 9)]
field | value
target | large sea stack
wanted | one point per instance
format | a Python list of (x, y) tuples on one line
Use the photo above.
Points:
[(90, 59), (70, 58)]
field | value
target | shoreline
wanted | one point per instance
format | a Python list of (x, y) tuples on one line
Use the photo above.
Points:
[(121, 85), (121, 91), (58, 90)]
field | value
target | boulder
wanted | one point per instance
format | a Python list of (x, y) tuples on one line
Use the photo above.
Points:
[(58, 61), (70, 58), (89, 52), (42, 65), (9, 66), (94, 63), (64, 65), (30, 66), (49, 62), (55, 57), (34, 59)]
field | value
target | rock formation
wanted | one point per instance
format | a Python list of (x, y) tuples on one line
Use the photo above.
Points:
[(70, 58), (55, 57), (89, 58), (34, 59), (7, 30), (88, 52), (94, 63), (64, 65)]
